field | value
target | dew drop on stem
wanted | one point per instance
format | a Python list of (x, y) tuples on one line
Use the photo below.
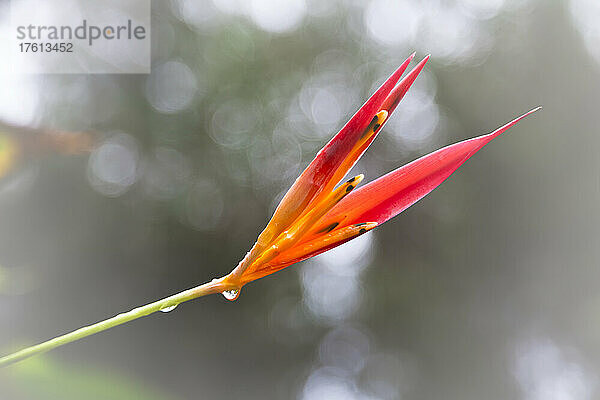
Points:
[(231, 295)]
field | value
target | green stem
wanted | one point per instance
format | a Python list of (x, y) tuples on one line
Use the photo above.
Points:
[(215, 286)]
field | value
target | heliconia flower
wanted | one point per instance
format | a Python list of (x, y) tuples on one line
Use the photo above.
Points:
[(315, 216)]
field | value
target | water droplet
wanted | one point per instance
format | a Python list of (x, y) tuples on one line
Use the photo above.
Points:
[(231, 295), (169, 308)]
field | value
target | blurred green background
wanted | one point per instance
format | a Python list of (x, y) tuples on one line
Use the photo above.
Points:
[(486, 289)]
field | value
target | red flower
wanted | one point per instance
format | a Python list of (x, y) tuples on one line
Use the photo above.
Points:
[(315, 215)]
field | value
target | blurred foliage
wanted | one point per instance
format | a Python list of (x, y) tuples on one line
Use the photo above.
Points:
[(43, 378)]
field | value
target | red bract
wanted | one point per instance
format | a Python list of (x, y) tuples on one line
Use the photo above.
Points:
[(315, 216)]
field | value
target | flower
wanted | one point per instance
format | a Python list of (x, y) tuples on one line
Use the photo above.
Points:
[(315, 216)]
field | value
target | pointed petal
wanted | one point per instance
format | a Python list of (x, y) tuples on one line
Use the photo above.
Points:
[(317, 180), (320, 171), (375, 203), (393, 99), (387, 107), (391, 194)]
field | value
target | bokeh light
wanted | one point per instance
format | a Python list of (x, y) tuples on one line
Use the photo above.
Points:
[(19, 96), (113, 167), (233, 123), (585, 14), (277, 16), (171, 87), (331, 282), (545, 372)]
